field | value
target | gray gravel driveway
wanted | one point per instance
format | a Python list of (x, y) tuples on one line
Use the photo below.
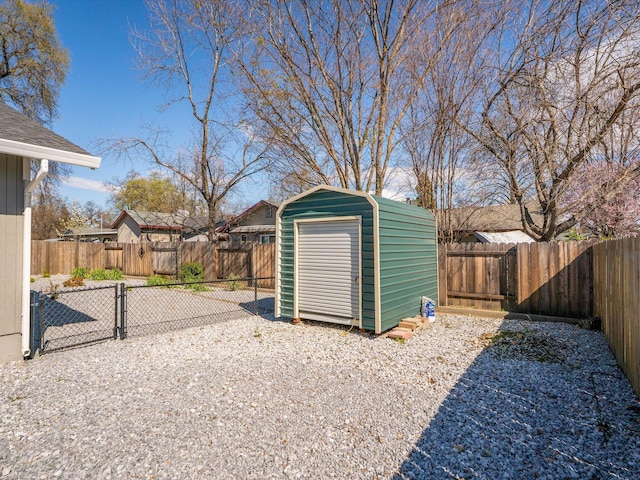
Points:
[(259, 398)]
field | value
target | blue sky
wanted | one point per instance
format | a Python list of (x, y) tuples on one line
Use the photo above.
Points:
[(104, 96)]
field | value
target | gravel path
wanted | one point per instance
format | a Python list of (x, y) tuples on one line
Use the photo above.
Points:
[(259, 398), (55, 282)]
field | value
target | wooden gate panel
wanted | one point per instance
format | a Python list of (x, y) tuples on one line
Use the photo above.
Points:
[(236, 262), (113, 256), (165, 259)]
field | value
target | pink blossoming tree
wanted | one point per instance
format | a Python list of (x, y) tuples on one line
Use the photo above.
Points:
[(614, 214)]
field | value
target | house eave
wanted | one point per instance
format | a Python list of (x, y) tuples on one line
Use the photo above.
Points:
[(26, 150), (154, 228)]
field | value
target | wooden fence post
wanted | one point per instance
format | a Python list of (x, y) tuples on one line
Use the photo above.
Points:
[(253, 261), (216, 271), (442, 274)]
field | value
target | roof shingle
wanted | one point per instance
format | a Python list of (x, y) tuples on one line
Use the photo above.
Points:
[(16, 127)]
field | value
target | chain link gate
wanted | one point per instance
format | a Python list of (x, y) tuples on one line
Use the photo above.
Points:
[(72, 318)]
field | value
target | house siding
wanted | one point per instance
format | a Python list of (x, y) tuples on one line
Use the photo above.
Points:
[(128, 231), (256, 218), (408, 260), (161, 236), (11, 237), (322, 204)]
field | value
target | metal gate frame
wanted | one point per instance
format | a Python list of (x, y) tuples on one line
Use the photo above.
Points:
[(40, 321)]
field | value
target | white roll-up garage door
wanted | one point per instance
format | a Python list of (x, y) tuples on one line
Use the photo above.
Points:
[(328, 270)]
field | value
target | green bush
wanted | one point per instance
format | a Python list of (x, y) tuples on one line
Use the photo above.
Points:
[(192, 272), (100, 274), (234, 284), (197, 287), (158, 281), (115, 274), (46, 274), (80, 272)]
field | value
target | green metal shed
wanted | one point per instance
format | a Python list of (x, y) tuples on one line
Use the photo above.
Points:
[(349, 257)]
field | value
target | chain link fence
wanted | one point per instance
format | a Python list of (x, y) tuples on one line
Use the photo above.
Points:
[(171, 307), (70, 318)]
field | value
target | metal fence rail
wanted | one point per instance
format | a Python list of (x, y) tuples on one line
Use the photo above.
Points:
[(70, 318)]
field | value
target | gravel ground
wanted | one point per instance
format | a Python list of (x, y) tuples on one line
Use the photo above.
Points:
[(80, 315), (54, 282), (260, 398)]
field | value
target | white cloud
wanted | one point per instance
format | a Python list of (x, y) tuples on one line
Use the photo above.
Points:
[(398, 184), (86, 184)]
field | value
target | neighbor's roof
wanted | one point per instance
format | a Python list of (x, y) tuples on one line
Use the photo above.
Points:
[(162, 221), (494, 218), (515, 236), (21, 136), (154, 220), (238, 218), (254, 229), (88, 232)]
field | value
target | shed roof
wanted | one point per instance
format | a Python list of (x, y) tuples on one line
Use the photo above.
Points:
[(19, 135), (371, 198), (515, 236), (88, 232)]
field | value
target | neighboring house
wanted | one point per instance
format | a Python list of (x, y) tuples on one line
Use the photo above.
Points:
[(257, 224), (492, 224), (89, 235), (136, 226), (21, 140)]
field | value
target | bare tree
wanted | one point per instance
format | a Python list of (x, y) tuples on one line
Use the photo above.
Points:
[(189, 50), (330, 81), (438, 147), (562, 84), (49, 212)]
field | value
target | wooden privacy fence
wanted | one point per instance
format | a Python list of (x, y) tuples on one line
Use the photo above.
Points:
[(554, 278), (477, 275), (568, 279), (616, 265), (158, 258)]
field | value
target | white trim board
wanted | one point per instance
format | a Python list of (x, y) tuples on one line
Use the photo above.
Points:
[(26, 150)]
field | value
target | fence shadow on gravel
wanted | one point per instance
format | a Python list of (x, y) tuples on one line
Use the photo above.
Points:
[(70, 318), (64, 313), (495, 421)]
